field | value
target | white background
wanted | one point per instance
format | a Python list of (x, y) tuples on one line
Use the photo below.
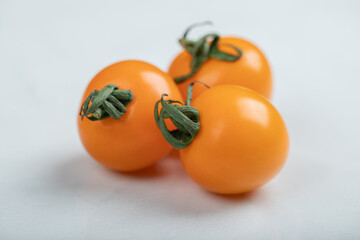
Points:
[(51, 189)]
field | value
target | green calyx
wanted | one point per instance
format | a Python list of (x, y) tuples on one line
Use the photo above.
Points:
[(108, 102), (185, 118), (204, 48)]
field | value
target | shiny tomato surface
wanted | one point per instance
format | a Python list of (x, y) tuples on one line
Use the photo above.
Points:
[(242, 143), (132, 142), (252, 70)]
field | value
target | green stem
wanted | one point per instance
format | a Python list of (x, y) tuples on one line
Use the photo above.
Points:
[(108, 102), (185, 117), (204, 48)]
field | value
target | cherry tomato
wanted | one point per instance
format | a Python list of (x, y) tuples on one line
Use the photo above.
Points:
[(241, 141), (133, 141), (251, 70)]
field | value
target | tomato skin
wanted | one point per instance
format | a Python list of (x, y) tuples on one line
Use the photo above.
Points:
[(242, 143), (252, 70), (132, 142)]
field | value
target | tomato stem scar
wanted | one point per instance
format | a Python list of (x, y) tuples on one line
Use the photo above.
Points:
[(185, 117), (204, 48), (108, 102)]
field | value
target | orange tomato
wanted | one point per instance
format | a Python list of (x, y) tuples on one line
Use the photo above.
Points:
[(132, 142), (252, 70), (242, 141)]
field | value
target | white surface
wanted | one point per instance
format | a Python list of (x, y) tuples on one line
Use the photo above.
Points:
[(51, 189)]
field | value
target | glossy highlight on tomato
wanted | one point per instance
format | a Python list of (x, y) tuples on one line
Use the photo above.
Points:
[(252, 70), (242, 143), (232, 140), (132, 142)]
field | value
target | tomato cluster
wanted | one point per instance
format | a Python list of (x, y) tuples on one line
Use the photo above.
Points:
[(230, 137)]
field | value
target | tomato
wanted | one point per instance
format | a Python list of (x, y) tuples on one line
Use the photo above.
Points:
[(251, 70), (133, 141), (242, 141)]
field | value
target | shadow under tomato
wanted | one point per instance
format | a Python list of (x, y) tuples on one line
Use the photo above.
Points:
[(175, 154), (153, 171), (241, 197), (82, 171), (162, 187)]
